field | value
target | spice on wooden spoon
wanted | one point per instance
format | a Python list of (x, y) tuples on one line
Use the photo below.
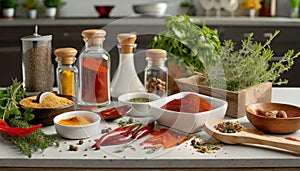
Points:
[(251, 136)]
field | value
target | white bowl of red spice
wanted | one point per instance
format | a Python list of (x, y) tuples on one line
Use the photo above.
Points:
[(187, 111), (77, 124)]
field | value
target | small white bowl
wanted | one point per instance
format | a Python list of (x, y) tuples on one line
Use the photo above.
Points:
[(187, 122), (151, 9), (139, 109), (77, 132)]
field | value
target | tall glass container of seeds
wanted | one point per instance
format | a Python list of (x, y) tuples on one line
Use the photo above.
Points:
[(156, 73), (125, 79), (66, 71), (94, 70), (37, 65)]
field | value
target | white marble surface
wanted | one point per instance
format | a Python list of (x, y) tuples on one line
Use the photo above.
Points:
[(181, 156)]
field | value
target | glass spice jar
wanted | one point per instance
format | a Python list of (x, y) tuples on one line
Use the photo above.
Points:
[(156, 73), (94, 70), (37, 67), (66, 71)]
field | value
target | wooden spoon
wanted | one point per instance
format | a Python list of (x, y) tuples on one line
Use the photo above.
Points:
[(251, 136)]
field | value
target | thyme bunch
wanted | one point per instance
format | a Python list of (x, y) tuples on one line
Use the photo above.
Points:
[(248, 66), (32, 142), (15, 117)]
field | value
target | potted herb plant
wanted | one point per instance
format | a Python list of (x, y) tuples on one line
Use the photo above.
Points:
[(8, 8), (188, 7), (239, 76), (51, 7), (31, 6), (295, 8)]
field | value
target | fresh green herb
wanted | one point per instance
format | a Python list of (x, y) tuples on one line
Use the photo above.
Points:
[(194, 46), (294, 3), (152, 150), (8, 3), (124, 147), (32, 142), (9, 107), (248, 66), (12, 114), (126, 122), (139, 99)]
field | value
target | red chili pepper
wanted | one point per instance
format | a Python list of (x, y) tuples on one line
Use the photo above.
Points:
[(143, 131), (112, 135), (15, 131), (120, 139), (292, 139), (115, 112)]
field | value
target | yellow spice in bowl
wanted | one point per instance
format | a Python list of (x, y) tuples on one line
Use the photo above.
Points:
[(49, 101), (75, 121)]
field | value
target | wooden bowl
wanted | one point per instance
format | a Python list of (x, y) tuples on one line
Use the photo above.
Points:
[(45, 115), (255, 114)]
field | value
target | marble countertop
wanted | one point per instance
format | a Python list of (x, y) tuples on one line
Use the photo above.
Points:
[(183, 156), (220, 21)]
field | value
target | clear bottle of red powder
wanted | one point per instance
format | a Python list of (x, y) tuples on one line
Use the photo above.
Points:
[(94, 70)]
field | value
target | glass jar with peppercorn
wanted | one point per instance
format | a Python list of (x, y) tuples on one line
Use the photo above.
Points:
[(94, 70), (37, 66), (156, 73), (67, 73)]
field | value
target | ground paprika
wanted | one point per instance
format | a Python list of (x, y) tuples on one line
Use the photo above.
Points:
[(95, 86), (190, 103)]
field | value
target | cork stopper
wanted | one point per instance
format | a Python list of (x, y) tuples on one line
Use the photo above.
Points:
[(127, 42), (65, 55), (94, 36), (158, 56)]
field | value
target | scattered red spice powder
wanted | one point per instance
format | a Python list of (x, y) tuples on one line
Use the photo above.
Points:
[(165, 138), (190, 103)]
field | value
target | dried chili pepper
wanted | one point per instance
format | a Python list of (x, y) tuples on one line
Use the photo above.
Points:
[(292, 139), (119, 139), (111, 136), (115, 112), (15, 131), (143, 131)]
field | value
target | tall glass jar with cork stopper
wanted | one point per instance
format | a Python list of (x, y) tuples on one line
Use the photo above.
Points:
[(67, 73), (37, 68), (125, 79), (94, 70), (156, 73)]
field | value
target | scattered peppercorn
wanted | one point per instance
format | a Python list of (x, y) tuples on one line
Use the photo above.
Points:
[(80, 142), (73, 148)]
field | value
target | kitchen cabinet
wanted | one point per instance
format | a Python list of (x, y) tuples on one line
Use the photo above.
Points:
[(66, 32)]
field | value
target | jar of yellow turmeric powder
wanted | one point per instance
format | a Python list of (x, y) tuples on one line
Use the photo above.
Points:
[(66, 71)]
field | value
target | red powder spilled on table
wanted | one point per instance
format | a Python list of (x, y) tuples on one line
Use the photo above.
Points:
[(190, 103), (165, 138)]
